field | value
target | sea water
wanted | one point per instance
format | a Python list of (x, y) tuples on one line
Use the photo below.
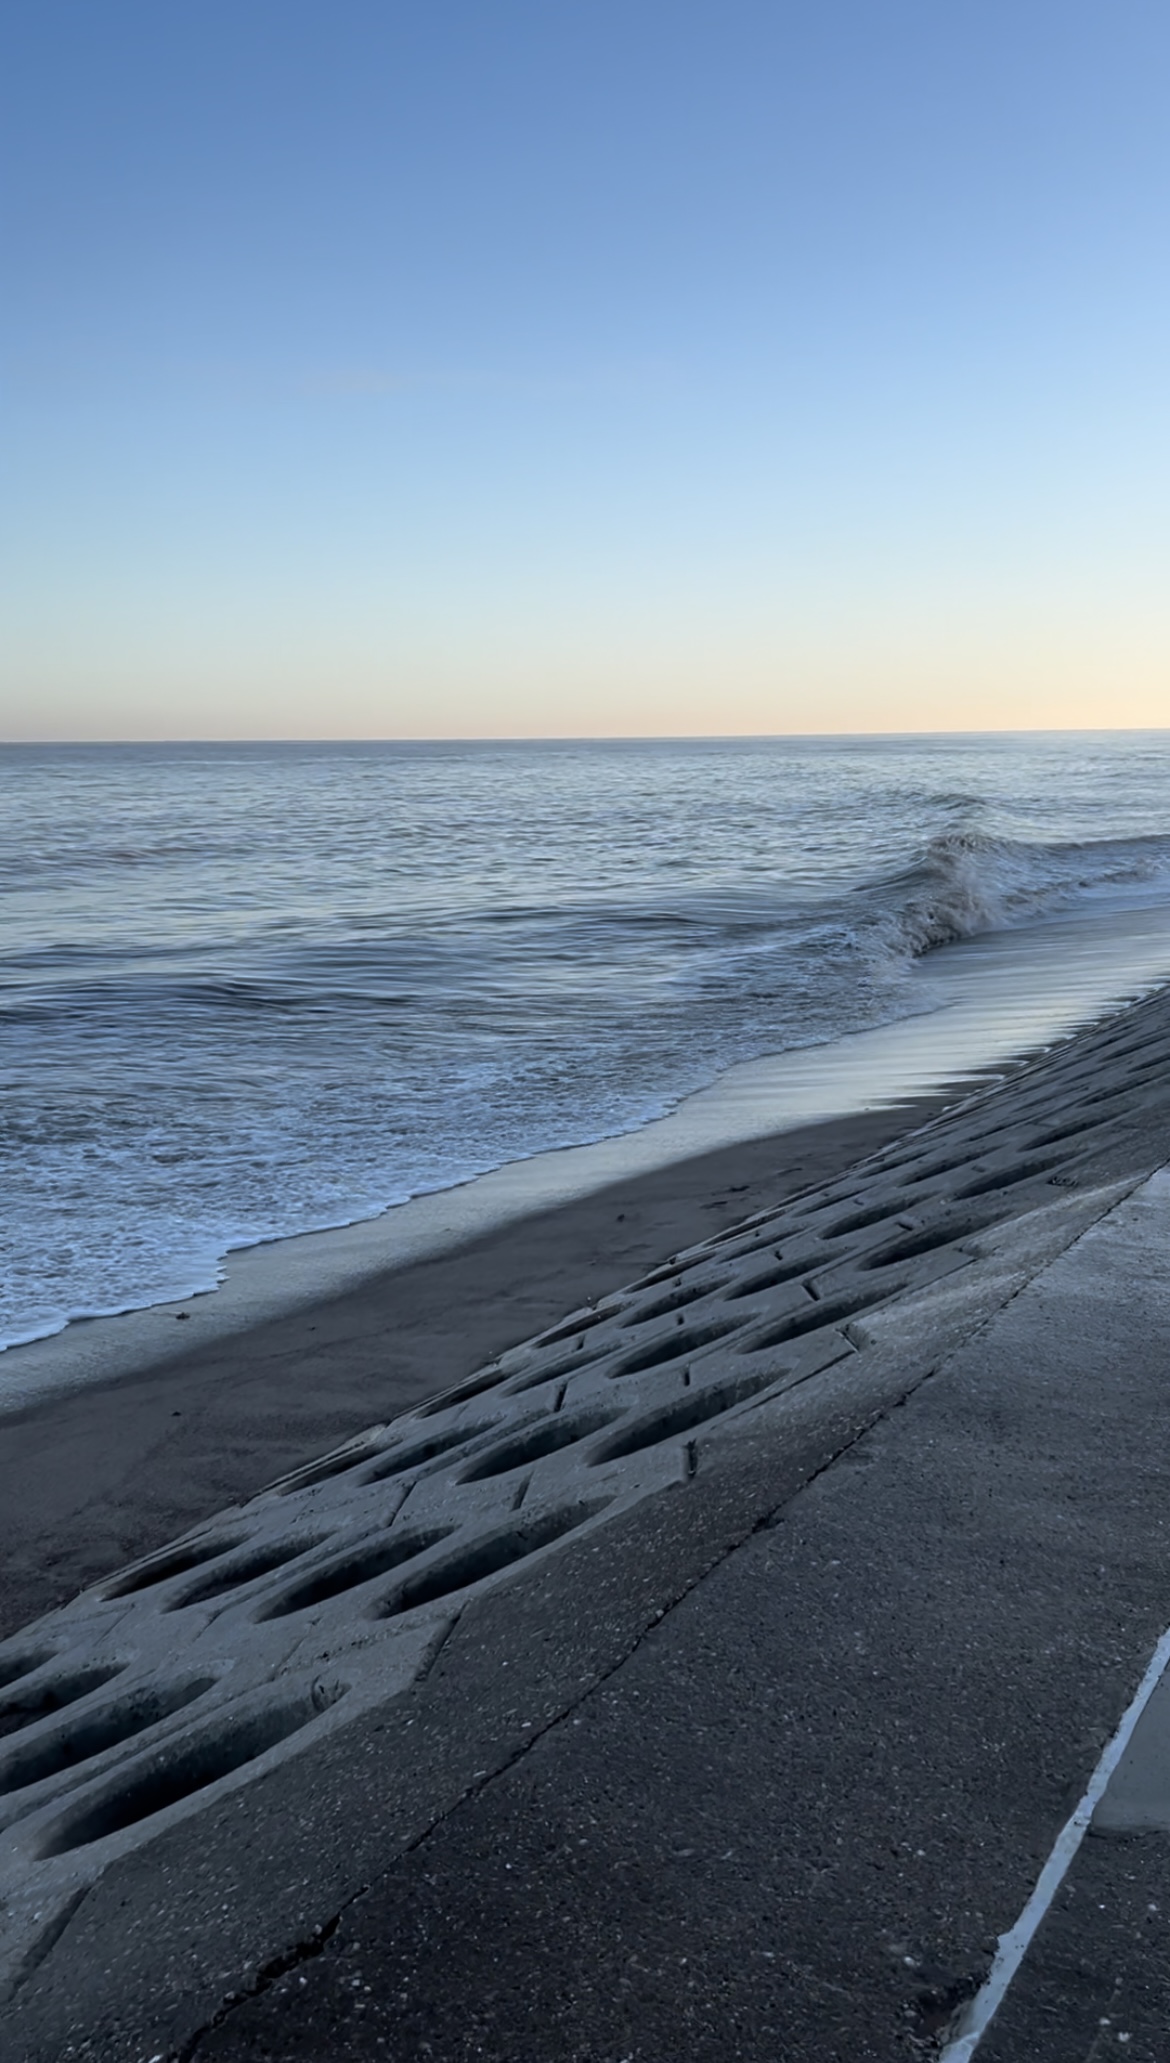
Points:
[(254, 990)]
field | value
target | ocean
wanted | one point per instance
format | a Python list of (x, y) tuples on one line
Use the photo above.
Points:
[(254, 990)]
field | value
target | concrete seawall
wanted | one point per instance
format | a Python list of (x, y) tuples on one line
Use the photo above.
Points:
[(710, 1676)]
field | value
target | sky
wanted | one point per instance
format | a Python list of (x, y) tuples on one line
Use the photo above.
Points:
[(610, 367)]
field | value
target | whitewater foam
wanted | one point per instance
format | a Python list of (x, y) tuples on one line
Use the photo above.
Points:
[(967, 882)]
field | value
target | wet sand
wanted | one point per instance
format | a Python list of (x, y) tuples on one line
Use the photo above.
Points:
[(99, 1475)]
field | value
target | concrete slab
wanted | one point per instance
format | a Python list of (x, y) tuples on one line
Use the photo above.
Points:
[(796, 1820)]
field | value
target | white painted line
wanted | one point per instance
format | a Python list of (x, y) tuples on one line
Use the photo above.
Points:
[(1014, 1945)]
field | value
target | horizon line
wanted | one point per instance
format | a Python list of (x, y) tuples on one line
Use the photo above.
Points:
[(601, 738)]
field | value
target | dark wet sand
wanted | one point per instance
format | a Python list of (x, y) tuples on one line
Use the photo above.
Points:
[(99, 1476)]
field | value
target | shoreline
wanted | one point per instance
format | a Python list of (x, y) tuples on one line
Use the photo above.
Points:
[(989, 1003), (755, 1102)]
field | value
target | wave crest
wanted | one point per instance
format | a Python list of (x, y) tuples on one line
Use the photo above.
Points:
[(967, 882)]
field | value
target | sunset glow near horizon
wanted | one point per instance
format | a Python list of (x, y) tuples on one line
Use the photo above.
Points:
[(607, 370)]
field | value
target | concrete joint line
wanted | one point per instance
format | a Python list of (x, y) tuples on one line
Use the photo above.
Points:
[(300, 1952), (976, 2017)]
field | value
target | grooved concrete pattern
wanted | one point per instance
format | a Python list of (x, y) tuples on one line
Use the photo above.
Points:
[(881, 1699)]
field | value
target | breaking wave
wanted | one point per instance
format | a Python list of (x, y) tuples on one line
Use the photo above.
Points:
[(967, 882)]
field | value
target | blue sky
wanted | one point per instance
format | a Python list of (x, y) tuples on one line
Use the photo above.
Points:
[(509, 369)]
